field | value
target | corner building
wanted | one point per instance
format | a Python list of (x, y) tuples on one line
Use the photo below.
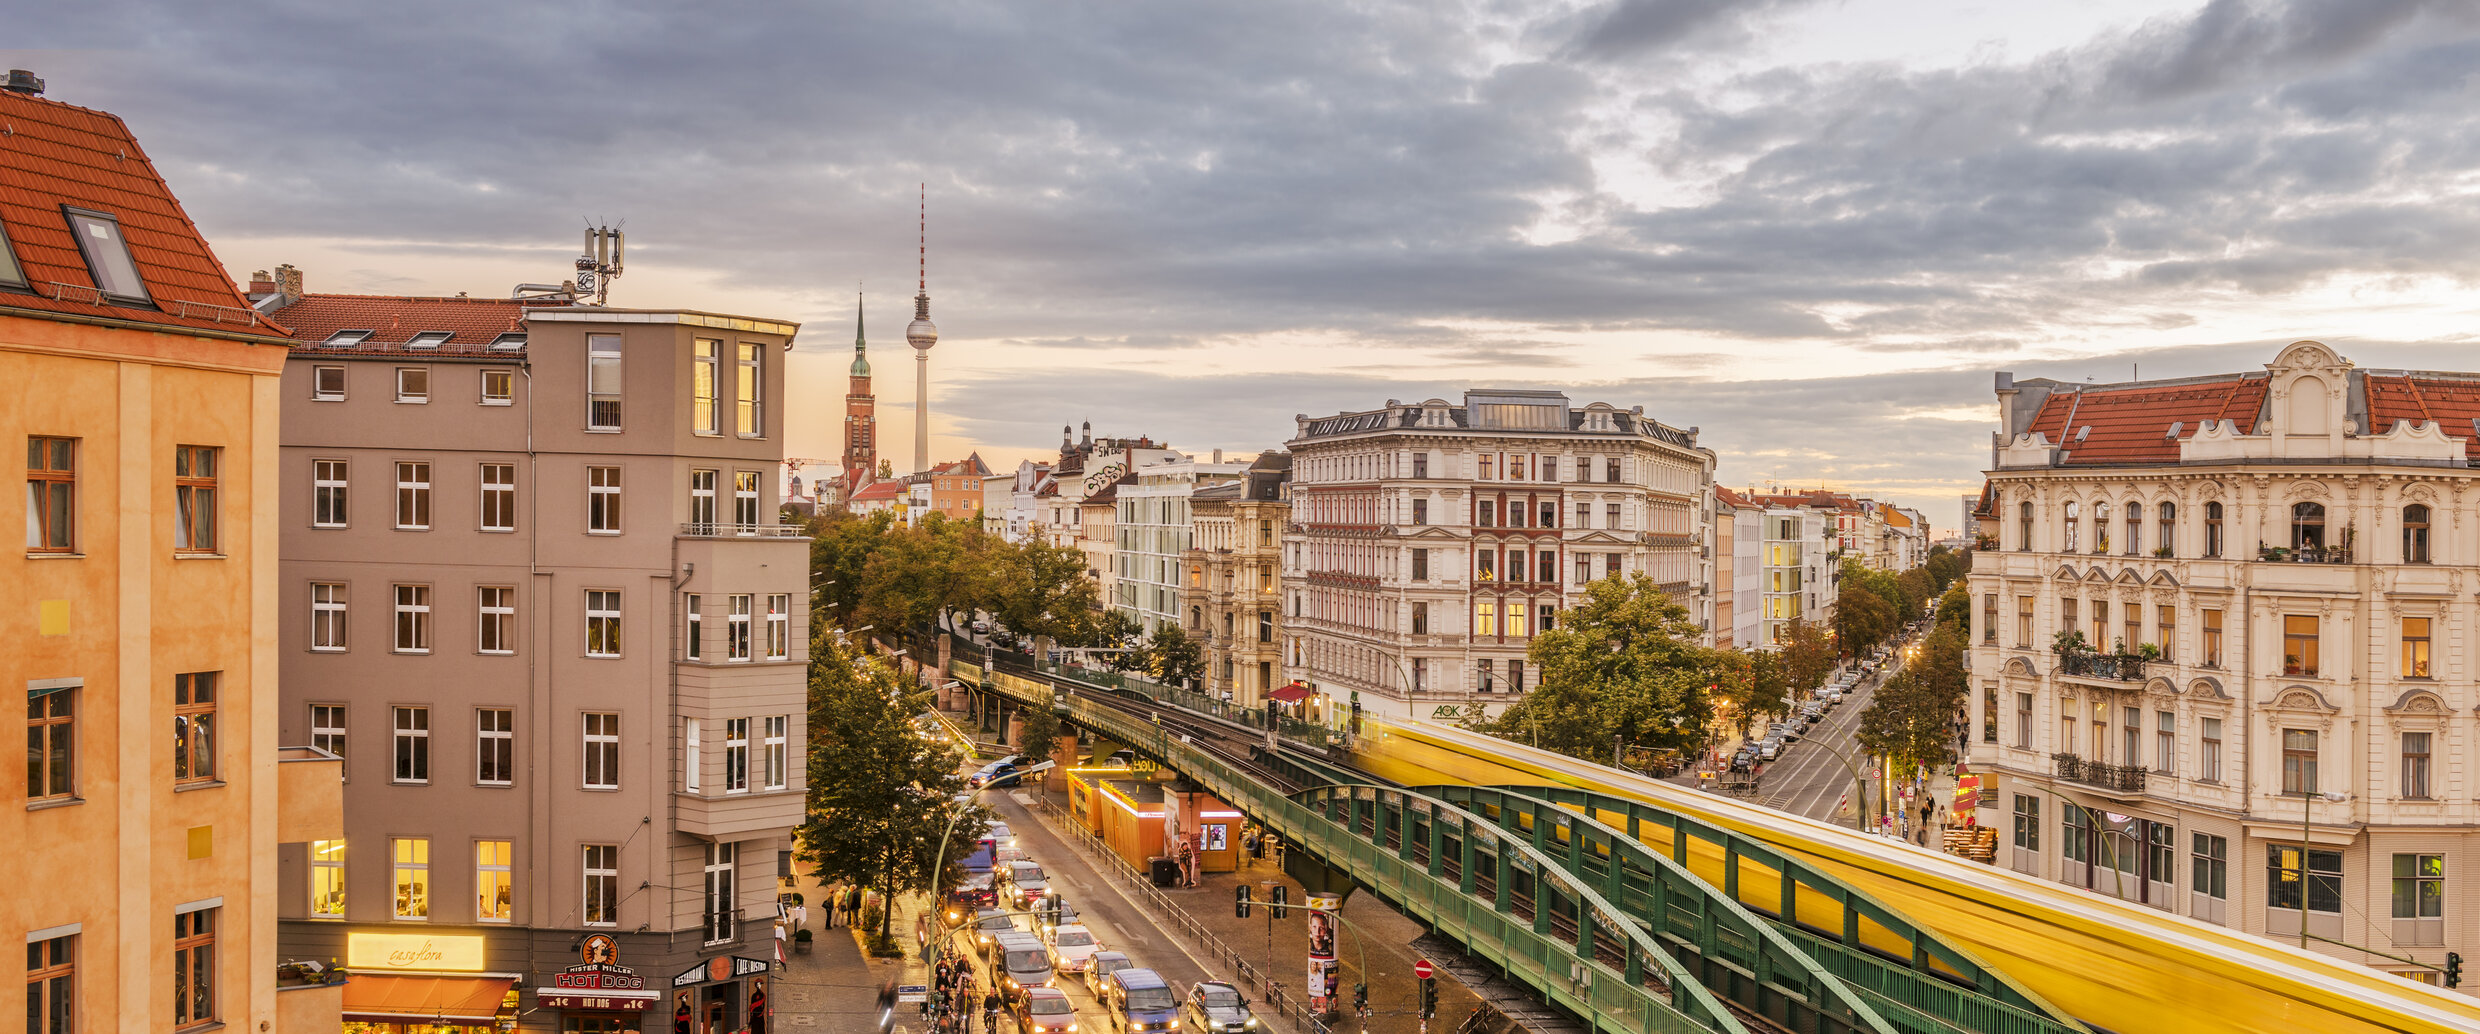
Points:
[(2269, 723), (537, 593), (1430, 542)]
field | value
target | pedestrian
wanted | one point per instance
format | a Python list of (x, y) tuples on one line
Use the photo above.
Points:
[(852, 905), (947, 975)]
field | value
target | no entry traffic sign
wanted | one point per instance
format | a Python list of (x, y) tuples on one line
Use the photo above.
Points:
[(1421, 969)]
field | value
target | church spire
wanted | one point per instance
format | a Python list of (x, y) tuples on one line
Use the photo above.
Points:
[(861, 341)]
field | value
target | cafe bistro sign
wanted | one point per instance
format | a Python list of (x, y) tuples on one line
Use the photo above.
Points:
[(600, 983), (413, 952)]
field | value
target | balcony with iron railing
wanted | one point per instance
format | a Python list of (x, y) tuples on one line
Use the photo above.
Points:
[(2098, 774), (745, 531), (2112, 667)]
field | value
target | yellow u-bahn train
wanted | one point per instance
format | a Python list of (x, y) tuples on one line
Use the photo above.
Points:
[(2114, 966)]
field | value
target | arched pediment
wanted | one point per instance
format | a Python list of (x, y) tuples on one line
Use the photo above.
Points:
[(2020, 666), (2302, 698), (2419, 701), (2208, 685), (2161, 686)]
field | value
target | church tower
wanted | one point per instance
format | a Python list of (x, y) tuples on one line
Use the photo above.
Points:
[(860, 416)]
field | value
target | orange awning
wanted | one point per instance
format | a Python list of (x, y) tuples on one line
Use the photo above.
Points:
[(395, 999), (1291, 694)]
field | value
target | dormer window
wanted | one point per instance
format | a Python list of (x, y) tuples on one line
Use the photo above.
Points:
[(508, 342), (429, 339), (10, 272), (107, 256), (346, 339)]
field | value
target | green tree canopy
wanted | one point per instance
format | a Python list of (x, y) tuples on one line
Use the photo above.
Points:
[(1173, 657), (1808, 653), (1622, 665), (1862, 619)]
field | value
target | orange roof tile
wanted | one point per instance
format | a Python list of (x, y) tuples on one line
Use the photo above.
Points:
[(2453, 402), (54, 154), (879, 490), (2132, 424), (473, 323)]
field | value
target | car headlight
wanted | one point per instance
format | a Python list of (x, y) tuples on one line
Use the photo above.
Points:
[(1252, 1021), (1173, 1025)]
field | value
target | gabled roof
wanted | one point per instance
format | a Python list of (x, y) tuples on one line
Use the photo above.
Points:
[(878, 490), (393, 320), (2132, 424), (2453, 402), (54, 155)]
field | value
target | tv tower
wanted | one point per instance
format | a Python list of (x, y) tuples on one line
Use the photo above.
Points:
[(921, 335)]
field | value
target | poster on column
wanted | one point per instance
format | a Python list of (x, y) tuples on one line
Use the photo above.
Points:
[(1324, 976)]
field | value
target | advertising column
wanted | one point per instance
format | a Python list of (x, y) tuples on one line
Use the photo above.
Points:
[(1325, 986)]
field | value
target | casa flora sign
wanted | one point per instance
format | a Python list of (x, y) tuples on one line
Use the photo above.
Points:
[(413, 953)]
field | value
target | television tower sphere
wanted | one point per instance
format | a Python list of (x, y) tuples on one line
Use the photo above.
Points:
[(922, 333)]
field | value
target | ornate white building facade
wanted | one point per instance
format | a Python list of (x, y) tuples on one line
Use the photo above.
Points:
[(1429, 542), (2279, 578)]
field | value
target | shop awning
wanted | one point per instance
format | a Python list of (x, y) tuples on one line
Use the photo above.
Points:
[(394, 999), (1291, 694)]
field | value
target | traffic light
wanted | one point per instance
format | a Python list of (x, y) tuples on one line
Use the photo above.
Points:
[(1429, 997), (1240, 901), (1278, 900), (2454, 969), (1360, 998)]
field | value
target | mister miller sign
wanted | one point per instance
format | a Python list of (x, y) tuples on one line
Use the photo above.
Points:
[(601, 983)]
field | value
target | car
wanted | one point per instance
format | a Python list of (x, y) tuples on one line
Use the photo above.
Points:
[(1099, 968), (981, 625), (988, 924), (1043, 1010), (1010, 854), (1026, 884), (1768, 750), (983, 776), (1072, 945), (1217, 1008), (1022, 963), (1122, 757), (970, 897), (1139, 1001)]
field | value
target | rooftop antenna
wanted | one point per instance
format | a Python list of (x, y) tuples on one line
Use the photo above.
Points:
[(601, 262)]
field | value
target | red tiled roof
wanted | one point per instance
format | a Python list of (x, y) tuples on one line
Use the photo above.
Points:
[(2131, 425), (2453, 404), (54, 154), (395, 319), (878, 490)]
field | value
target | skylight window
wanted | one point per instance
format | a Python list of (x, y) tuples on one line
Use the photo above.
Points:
[(346, 338), (10, 274), (429, 339), (107, 256), (508, 343)]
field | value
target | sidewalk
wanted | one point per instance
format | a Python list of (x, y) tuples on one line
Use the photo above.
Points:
[(834, 990)]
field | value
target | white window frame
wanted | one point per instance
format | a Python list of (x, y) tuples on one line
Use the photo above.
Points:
[(495, 619), (736, 630), (736, 755), (413, 495), (693, 644), (703, 514), (326, 736), (412, 630), (484, 738), (507, 379), (745, 501), (410, 740), (722, 923), (605, 383), (329, 617), (607, 875), (706, 387), (413, 385), (319, 391), (611, 508), (778, 757), (482, 879), (749, 390), (505, 491), (603, 605), (601, 737), (398, 866), (690, 759), (778, 626), (331, 483), (326, 866)]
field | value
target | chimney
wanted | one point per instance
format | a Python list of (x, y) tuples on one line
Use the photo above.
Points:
[(288, 283), (1218, 455), (22, 81), (261, 285)]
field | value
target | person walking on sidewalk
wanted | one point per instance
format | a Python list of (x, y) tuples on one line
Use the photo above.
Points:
[(852, 906)]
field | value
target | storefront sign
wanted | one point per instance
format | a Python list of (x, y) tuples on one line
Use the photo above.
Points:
[(414, 952), (719, 969), (613, 1001), (600, 983)]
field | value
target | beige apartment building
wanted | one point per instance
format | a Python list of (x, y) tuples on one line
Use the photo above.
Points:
[(2263, 717), (1234, 586), (1429, 542), (141, 393), (537, 592)]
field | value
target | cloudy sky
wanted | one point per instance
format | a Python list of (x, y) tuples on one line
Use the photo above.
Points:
[(1813, 229)]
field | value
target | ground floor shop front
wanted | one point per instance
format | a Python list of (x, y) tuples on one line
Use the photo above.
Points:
[(467, 980)]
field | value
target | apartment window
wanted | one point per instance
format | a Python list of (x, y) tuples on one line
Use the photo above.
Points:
[(779, 626), (2419, 886), (702, 500), (327, 383), (1420, 464), (1610, 517), (1549, 514), (1489, 468), (603, 382), (602, 751), (2415, 766), (2132, 731), (2023, 621), (193, 726), (1486, 515), (736, 629), (327, 879), (2165, 741), (1548, 564), (413, 619), (2135, 525), (1420, 619), (1516, 613), (1485, 618), (1610, 471), (705, 381), (1545, 617), (51, 495), (413, 496), (495, 608), (329, 481), (2101, 625), (327, 728), (736, 755), (1420, 511), (2415, 648), (2168, 546), (1584, 568), (1489, 675), (2067, 540), (2415, 534), (2209, 750), (2212, 644), (2023, 525), (2284, 876), (1486, 564), (2027, 823), (2101, 527), (602, 884), (602, 623), (51, 737), (2023, 720), (2066, 725), (413, 744), (413, 876), (778, 754), (2212, 529), (1515, 676), (2210, 875), (2074, 833), (2307, 525), (745, 500), (2134, 614), (495, 744), (693, 760), (603, 500), (2299, 645), (194, 487), (492, 887), (1989, 618), (499, 387), (2298, 761), (752, 383), (2066, 613), (2165, 621), (193, 966), (1420, 565), (721, 913), (1265, 626), (499, 497)]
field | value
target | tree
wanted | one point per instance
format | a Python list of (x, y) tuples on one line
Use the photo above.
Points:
[(1042, 590), (1911, 718), (1037, 731), (1173, 657), (1955, 609), (880, 792), (1862, 618), (1808, 653), (1754, 684), (1623, 665)]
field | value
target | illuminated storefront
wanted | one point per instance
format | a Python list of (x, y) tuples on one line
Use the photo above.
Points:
[(422, 983)]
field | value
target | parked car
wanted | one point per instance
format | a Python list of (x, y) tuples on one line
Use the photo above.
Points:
[(1744, 759), (1217, 1008), (1768, 750), (1072, 945), (1099, 968), (1043, 1010), (1026, 884)]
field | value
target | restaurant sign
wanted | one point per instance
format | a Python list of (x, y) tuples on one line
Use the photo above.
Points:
[(719, 969), (412, 952), (600, 983)]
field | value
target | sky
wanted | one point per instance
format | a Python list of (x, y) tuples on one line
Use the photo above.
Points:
[(1811, 229)]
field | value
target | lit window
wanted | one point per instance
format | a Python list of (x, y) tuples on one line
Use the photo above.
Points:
[(413, 877), (327, 879), (107, 256), (602, 623), (704, 380), (752, 380), (491, 881)]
